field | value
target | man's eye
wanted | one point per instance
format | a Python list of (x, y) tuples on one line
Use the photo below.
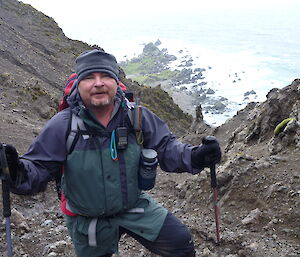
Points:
[(88, 77)]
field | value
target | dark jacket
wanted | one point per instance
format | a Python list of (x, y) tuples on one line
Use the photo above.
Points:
[(48, 151)]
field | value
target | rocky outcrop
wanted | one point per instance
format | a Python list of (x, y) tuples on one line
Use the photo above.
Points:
[(290, 136), (260, 119), (258, 181)]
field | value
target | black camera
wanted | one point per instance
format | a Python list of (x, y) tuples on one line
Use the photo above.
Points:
[(122, 138)]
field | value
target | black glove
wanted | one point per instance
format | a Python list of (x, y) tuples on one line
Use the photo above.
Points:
[(205, 155), (16, 168)]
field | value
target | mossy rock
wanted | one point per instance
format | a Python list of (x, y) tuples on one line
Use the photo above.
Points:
[(280, 127)]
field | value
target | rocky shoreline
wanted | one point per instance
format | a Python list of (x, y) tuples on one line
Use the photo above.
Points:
[(179, 76)]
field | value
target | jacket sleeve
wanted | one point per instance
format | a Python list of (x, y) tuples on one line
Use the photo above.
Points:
[(173, 156), (45, 155)]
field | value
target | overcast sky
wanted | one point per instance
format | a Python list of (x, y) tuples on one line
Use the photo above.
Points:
[(80, 19), (64, 11)]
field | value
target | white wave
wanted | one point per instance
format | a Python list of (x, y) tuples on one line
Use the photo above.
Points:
[(230, 74)]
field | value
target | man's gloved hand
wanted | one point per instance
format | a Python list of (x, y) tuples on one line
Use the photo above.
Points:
[(206, 154), (16, 168)]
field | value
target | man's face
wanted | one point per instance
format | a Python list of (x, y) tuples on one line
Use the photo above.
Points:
[(97, 90)]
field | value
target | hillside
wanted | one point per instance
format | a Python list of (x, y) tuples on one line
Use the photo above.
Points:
[(259, 176), (36, 59)]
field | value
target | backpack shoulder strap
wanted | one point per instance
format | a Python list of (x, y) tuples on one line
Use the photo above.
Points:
[(135, 116), (76, 125)]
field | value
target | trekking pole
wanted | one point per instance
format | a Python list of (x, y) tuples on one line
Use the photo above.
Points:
[(5, 177), (206, 141)]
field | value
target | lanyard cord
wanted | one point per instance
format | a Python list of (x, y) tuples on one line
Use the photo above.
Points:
[(113, 147)]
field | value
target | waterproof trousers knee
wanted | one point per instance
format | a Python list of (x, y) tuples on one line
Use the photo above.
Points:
[(174, 239)]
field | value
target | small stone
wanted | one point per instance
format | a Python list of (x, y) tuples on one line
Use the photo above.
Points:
[(52, 254), (206, 252), (251, 217), (253, 246), (16, 216), (47, 223)]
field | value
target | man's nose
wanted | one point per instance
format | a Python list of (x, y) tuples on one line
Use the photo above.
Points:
[(98, 80)]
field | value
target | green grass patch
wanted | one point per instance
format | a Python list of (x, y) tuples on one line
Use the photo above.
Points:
[(139, 66), (132, 68), (152, 78)]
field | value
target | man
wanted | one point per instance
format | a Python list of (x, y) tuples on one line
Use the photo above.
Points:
[(102, 198)]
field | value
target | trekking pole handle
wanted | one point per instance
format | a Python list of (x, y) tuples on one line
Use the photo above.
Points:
[(213, 176), (207, 141), (6, 198), (5, 177)]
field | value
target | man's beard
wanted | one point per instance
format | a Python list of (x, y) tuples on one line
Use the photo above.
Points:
[(102, 103)]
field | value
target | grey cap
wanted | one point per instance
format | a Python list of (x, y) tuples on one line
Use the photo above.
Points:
[(96, 61)]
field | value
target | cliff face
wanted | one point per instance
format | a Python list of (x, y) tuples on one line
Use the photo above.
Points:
[(36, 59), (34, 47)]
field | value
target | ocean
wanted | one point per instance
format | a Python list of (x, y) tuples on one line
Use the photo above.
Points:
[(252, 50)]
